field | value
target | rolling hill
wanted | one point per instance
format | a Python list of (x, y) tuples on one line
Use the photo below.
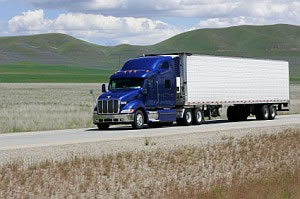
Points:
[(270, 42)]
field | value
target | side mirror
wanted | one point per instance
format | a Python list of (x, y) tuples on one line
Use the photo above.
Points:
[(103, 88), (94, 97), (145, 90)]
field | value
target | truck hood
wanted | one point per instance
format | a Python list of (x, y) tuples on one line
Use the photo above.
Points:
[(123, 95)]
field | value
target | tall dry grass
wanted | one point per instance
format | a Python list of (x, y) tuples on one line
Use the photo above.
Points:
[(49, 106), (295, 99), (263, 166), (34, 107)]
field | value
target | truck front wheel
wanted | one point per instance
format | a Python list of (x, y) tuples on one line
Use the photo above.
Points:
[(139, 119), (103, 126)]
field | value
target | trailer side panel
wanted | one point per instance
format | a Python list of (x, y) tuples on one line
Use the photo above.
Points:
[(222, 80)]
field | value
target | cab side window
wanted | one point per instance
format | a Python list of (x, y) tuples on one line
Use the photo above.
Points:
[(165, 66)]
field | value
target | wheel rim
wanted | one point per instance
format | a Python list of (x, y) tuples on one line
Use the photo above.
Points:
[(139, 119), (199, 116), (272, 110), (188, 116), (266, 113)]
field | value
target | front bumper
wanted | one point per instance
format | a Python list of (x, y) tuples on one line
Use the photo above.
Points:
[(117, 118)]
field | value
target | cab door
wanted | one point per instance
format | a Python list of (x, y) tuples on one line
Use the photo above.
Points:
[(151, 99), (166, 86)]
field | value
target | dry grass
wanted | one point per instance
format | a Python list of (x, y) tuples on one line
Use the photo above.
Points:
[(34, 107), (49, 106), (295, 99), (265, 166)]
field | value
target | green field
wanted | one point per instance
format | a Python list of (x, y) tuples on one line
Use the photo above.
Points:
[(24, 72), (62, 58)]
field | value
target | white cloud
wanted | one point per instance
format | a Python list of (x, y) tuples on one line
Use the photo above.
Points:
[(257, 13), (135, 21), (31, 21), (115, 30), (176, 8)]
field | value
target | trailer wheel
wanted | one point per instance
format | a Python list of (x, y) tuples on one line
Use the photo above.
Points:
[(243, 113), (138, 120), (187, 118), (272, 112), (103, 126), (232, 114), (262, 113), (197, 117)]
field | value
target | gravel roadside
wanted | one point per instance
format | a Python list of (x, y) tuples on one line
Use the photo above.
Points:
[(57, 153)]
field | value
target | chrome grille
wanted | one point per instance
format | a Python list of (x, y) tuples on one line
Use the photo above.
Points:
[(108, 106)]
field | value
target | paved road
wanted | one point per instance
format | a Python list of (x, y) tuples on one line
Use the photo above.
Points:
[(73, 136)]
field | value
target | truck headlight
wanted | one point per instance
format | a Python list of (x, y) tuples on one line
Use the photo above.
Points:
[(127, 111)]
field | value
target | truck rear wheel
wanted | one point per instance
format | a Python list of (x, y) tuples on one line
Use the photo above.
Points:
[(262, 112), (187, 117), (272, 112), (139, 119), (232, 114), (243, 113), (197, 117), (103, 126)]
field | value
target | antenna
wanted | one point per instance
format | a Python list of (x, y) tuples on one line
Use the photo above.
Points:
[(119, 61)]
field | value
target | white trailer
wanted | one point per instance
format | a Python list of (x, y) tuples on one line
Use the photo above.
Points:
[(246, 86)]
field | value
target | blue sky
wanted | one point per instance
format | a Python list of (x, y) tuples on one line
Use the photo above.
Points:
[(112, 22)]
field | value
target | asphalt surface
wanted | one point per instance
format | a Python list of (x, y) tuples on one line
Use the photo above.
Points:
[(73, 136)]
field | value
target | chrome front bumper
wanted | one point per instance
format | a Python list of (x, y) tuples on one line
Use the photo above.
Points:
[(118, 118)]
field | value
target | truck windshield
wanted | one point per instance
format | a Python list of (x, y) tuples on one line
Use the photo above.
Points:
[(126, 83)]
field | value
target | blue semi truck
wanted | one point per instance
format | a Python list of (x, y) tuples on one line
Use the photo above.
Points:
[(160, 89)]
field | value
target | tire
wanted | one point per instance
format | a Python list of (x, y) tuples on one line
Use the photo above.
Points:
[(272, 112), (187, 117), (232, 114), (179, 122), (139, 120), (243, 113), (103, 126), (197, 117), (262, 113)]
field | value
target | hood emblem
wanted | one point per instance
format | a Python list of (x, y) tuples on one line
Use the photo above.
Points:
[(108, 97)]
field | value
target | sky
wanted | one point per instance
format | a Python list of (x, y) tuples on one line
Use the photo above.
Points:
[(138, 22)]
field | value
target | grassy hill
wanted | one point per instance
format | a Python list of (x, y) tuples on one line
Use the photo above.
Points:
[(63, 51)]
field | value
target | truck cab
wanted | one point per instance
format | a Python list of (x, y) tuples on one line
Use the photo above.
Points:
[(142, 92)]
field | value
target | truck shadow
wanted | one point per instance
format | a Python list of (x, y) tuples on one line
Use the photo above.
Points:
[(129, 128)]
